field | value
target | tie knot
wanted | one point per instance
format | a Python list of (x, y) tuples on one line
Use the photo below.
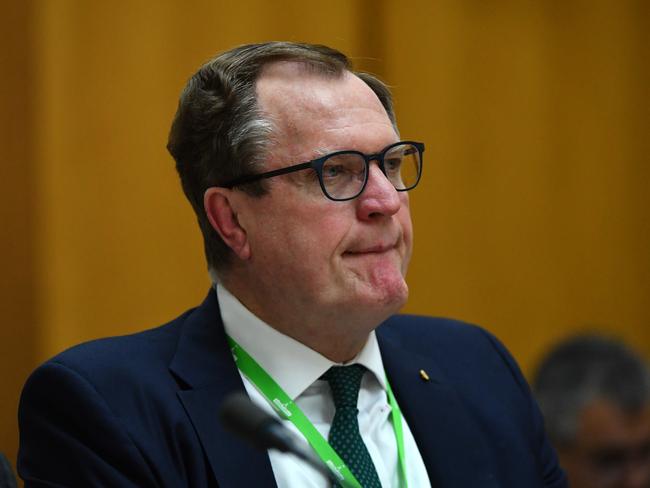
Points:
[(345, 382)]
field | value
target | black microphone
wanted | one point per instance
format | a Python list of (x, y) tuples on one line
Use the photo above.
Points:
[(248, 421)]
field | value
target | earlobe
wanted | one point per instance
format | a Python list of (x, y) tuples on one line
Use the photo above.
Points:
[(220, 209)]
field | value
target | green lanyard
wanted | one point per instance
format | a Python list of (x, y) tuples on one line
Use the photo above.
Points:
[(288, 410)]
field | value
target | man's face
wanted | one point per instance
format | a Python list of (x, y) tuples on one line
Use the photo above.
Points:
[(612, 448), (322, 258)]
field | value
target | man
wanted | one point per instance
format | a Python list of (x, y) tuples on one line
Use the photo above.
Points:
[(595, 396), (293, 165)]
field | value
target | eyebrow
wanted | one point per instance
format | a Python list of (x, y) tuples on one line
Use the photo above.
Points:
[(322, 152)]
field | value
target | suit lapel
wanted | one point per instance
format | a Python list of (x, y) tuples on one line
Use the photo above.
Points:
[(203, 362), (449, 439)]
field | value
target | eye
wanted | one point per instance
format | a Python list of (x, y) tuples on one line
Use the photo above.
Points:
[(333, 170), (393, 164)]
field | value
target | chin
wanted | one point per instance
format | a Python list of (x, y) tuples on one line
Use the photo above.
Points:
[(388, 300), (375, 284)]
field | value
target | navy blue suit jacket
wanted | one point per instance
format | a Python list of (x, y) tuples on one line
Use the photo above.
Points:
[(141, 410)]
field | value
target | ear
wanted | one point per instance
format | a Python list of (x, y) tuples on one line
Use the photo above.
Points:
[(219, 205)]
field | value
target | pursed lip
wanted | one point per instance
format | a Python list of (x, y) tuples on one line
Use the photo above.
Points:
[(375, 249)]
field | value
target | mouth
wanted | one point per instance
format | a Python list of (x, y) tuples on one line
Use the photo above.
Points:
[(375, 249)]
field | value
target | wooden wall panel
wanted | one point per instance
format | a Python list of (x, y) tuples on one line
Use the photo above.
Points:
[(533, 217)]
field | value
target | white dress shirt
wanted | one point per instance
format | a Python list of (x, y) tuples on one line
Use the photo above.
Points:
[(297, 370)]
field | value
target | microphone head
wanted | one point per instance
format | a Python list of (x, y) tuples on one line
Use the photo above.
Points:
[(243, 418), (246, 420)]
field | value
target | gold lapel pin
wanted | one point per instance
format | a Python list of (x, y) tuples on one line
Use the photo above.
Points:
[(424, 375)]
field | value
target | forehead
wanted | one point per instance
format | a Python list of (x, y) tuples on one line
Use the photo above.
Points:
[(320, 111)]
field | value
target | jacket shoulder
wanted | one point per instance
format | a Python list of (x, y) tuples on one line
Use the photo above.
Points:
[(461, 350), (127, 360), (439, 333)]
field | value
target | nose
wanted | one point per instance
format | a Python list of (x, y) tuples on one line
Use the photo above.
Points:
[(379, 198)]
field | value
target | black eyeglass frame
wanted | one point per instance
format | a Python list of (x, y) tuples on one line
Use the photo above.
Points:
[(317, 165)]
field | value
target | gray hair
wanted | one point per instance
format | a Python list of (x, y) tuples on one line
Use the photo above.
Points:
[(219, 133), (584, 369)]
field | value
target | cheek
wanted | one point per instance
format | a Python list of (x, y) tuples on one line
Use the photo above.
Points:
[(324, 238), (307, 259), (313, 238), (407, 228)]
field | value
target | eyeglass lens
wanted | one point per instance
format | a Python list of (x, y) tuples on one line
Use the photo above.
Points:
[(344, 174)]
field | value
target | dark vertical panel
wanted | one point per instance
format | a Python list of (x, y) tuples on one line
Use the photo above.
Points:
[(370, 54), (17, 282)]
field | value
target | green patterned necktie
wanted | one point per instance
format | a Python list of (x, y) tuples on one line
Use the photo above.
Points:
[(344, 436)]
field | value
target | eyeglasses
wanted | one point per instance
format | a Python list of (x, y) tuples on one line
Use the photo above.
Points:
[(344, 174)]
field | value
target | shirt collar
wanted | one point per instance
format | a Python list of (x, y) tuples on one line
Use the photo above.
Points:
[(290, 363)]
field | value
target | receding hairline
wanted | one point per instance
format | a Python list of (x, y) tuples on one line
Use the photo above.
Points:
[(290, 71), (286, 91), (304, 66)]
